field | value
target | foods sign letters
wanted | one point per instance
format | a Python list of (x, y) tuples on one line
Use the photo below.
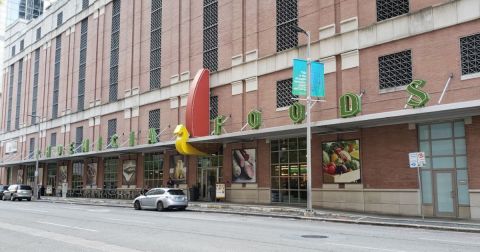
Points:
[(341, 162), (244, 166)]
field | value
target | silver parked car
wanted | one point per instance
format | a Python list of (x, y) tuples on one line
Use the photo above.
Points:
[(161, 198), (18, 192)]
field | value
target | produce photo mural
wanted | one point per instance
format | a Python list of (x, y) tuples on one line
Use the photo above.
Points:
[(341, 162), (244, 166), (129, 169), (178, 170)]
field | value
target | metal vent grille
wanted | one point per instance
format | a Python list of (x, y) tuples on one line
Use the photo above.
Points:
[(114, 53), (284, 93), (154, 120), (53, 139), (13, 51), (287, 16), (39, 34), (470, 50), (36, 67), (59, 19), (156, 44), (112, 128), (395, 70), (210, 35), (78, 138), (10, 97), (22, 45), (31, 150), (213, 107), (19, 94), (56, 75), (83, 65), (391, 8), (85, 4)]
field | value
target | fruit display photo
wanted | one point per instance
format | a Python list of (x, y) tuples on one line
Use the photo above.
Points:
[(341, 161), (244, 166)]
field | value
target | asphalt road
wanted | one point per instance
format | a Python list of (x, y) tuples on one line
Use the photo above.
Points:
[(42, 226)]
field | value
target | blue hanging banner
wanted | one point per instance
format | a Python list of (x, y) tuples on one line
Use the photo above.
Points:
[(299, 79), (317, 79)]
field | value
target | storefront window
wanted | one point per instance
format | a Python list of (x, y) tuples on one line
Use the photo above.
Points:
[(31, 175), (51, 174), (77, 178), (153, 165), (110, 173), (289, 170)]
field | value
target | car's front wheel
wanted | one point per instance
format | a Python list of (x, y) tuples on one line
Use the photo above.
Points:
[(160, 206), (12, 198), (3, 198), (29, 199), (136, 205)]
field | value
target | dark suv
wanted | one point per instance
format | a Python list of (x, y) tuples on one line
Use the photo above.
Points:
[(18, 192), (3, 188)]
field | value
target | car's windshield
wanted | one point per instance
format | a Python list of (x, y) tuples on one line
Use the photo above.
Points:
[(25, 187), (176, 192)]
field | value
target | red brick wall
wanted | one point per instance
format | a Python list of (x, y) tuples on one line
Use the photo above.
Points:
[(472, 133)]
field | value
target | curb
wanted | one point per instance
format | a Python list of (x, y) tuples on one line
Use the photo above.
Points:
[(222, 210)]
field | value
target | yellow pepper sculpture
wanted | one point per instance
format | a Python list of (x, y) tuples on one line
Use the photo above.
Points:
[(181, 144)]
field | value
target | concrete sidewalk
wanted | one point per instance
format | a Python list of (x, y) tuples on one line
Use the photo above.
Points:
[(297, 213)]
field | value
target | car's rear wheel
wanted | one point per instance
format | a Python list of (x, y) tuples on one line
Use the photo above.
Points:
[(19, 199), (29, 199), (160, 206), (182, 208), (136, 205)]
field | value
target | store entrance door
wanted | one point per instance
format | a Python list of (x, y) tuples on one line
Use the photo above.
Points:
[(208, 181), (445, 194)]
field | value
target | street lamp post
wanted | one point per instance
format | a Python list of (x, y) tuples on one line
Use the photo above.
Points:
[(309, 124), (35, 188)]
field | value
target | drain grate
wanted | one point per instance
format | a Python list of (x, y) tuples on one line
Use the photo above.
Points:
[(315, 236)]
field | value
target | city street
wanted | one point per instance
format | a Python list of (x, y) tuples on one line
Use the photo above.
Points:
[(42, 226)]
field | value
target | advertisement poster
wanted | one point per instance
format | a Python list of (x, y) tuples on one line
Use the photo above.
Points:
[(341, 161), (220, 191), (129, 168), (20, 176), (62, 176), (179, 169), (244, 166), (92, 174)]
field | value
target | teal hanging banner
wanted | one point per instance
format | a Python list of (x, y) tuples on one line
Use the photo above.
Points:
[(299, 79), (317, 79)]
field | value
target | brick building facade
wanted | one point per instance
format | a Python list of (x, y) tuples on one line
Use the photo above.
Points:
[(92, 70)]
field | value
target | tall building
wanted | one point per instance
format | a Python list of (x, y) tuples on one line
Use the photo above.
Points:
[(119, 96), (23, 9), (3, 11)]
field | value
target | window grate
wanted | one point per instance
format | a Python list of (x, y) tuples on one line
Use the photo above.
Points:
[(78, 138), (59, 19), (82, 65), (53, 139), (213, 107), (210, 35), (114, 53), (470, 50), (85, 4), (39, 33), (10, 97), (19, 94), (112, 129), (156, 44), (36, 67), (287, 16), (154, 120), (284, 93), (56, 75), (387, 9), (395, 70)]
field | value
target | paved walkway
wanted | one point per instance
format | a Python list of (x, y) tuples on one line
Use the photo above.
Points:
[(298, 213)]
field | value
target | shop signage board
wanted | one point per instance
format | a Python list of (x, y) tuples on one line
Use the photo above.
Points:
[(317, 80), (416, 159), (220, 191)]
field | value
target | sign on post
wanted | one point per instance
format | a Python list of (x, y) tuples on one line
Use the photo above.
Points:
[(220, 191), (299, 79), (416, 159)]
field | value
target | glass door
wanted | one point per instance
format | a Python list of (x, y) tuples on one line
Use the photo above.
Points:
[(445, 197), (208, 184)]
